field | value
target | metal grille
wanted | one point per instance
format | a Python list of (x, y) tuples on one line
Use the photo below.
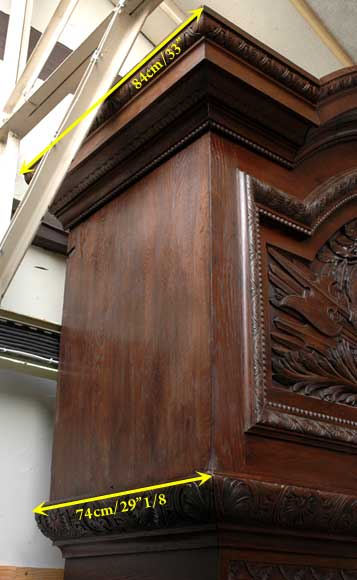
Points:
[(24, 341)]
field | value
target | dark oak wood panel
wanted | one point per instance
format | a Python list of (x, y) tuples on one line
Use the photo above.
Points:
[(50, 235), (210, 321), (180, 565), (141, 266)]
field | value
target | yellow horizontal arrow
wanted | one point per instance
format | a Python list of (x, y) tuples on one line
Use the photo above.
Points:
[(42, 508), (26, 167)]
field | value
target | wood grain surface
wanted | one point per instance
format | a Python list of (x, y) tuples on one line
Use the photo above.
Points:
[(210, 321), (135, 341), (24, 573)]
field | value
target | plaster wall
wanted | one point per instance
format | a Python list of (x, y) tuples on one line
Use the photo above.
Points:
[(26, 424), (38, 286)]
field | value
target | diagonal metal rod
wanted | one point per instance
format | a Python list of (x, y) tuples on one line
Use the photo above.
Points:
[(97, 80), (64, 80), (40, 54)]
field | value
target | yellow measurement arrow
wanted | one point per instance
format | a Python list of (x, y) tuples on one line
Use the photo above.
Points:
[(42, 508), (26, 167)]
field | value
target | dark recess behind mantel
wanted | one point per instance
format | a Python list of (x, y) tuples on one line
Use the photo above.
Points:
[(50, 235)]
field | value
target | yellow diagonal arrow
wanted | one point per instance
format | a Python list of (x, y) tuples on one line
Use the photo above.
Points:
[(42, 508), (26, 167)]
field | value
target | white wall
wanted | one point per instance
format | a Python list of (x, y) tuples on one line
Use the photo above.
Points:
[(26, 423), (38, 286)]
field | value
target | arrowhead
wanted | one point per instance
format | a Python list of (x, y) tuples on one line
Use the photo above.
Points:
[(197, 13), (40, 509), (25, 169), (204, 477)]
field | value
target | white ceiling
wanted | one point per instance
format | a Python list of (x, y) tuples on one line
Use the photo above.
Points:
[(277, 23), (340, 16)]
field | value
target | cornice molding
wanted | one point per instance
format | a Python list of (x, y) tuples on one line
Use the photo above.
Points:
[(157, 127), (305, 216), (219, 31), (339, 129), (337, 83), (213, 28)]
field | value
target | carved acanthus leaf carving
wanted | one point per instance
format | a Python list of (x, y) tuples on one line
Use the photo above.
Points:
[(314, 321), (257, 503), (188, 505), (242, 502), (240, 570), (311, 423)]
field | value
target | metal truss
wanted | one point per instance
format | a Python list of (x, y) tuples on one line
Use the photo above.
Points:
[(90, 70)]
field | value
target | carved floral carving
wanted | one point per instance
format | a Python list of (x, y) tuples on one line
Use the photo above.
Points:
[(314, 325)]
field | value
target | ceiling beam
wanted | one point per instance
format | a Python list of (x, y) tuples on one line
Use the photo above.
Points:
[(60, 83), (92, 90), (323, 32), (173, 11), (40, 54)]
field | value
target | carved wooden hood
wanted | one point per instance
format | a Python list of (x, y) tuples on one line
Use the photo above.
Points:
[(210, 320)]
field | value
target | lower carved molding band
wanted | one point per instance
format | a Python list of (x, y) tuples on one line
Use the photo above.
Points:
[(240, 502), (189, 505), (265, 571)]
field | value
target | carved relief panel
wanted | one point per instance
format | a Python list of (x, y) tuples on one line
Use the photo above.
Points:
[(302, 303), (314, 319)]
